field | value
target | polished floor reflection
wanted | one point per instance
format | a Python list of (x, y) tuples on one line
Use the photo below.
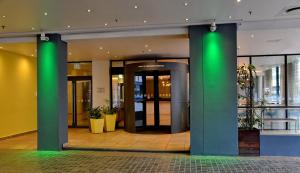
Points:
[(120, 139)]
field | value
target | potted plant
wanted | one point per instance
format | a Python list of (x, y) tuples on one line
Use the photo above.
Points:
[(110, 118), (96, 121), (250, 119)]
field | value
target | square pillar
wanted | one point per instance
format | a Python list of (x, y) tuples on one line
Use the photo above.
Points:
[(52, 92), (213, 90)]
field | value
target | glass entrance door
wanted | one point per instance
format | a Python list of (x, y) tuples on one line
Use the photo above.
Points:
[(79, 100), (152, 96)]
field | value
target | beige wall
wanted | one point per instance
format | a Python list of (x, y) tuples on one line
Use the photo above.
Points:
[(18, 101), (101, 87)]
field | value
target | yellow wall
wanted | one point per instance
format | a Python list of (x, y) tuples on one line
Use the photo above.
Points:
[(18, 101)]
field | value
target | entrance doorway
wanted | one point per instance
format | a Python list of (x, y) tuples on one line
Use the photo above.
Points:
[(153, 100), (79, 100)]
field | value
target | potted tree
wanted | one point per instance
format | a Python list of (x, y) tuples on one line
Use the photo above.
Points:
[(110, 118), (249, 120), (96, 121)]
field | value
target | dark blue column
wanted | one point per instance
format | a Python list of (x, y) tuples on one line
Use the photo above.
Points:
[(213, 90), (52, 93)]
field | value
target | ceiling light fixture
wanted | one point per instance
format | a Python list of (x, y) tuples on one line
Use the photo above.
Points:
[(3, 16), (101, 48), (32, 55), (252, 35), (229, 17), (69, 26), (108, 52), (70, 53), (146, 45), (238, 1), (89, 10), (45, 13), (213, 26), (105, 24), (32, 28), (186, 4), (149, 50), (135, 6), (186, 20), (145, 21), (1, 47)]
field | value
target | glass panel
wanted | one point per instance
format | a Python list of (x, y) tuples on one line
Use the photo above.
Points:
[(274, 113), (83, 99), (138, 101), (117, 90), (294, 114), (293, 77), (269, 84), (164, 89), (117, 64), (70, 103), (150, 100), (241, 61), (79, 69)]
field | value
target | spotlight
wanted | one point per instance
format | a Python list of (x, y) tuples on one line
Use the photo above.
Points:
[(213, 26), (44, 37)]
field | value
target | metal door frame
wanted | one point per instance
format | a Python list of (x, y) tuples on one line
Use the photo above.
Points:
[(74, 79)]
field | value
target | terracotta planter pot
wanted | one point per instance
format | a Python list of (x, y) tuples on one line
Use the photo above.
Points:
[(97, 125), (249, 142), (110, 122)]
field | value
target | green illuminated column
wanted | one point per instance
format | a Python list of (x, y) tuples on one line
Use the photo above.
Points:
[(213, 91), (52, 92)]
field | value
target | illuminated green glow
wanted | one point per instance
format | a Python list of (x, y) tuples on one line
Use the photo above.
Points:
[(213, 55), (48, 96)]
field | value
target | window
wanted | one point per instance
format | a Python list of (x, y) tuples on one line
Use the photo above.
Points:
[(269, 83)]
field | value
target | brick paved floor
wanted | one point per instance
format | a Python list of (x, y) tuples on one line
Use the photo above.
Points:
[(22, 161)]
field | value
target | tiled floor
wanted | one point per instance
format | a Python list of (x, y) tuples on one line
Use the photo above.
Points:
[(82, 138), (21, 161)]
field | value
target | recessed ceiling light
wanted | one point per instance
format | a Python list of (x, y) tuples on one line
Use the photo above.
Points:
[(3, 16), (145, 21), (149, 50), (89, 10), (105, 24), (146, 45), (186, 20), (69, 26), (252, 35), (32, 55), (116, 56), (45, 13), (186, 4), (135, 6), (238, 1), (108, 52), (1, 47), (32, 28), (229, 17), (101, 48)]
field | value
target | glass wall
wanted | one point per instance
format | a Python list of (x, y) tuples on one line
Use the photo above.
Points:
[(277, 83), (269, 82)]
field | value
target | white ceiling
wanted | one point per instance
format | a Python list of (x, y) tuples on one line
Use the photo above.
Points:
[(273, 30), (21, 16)]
